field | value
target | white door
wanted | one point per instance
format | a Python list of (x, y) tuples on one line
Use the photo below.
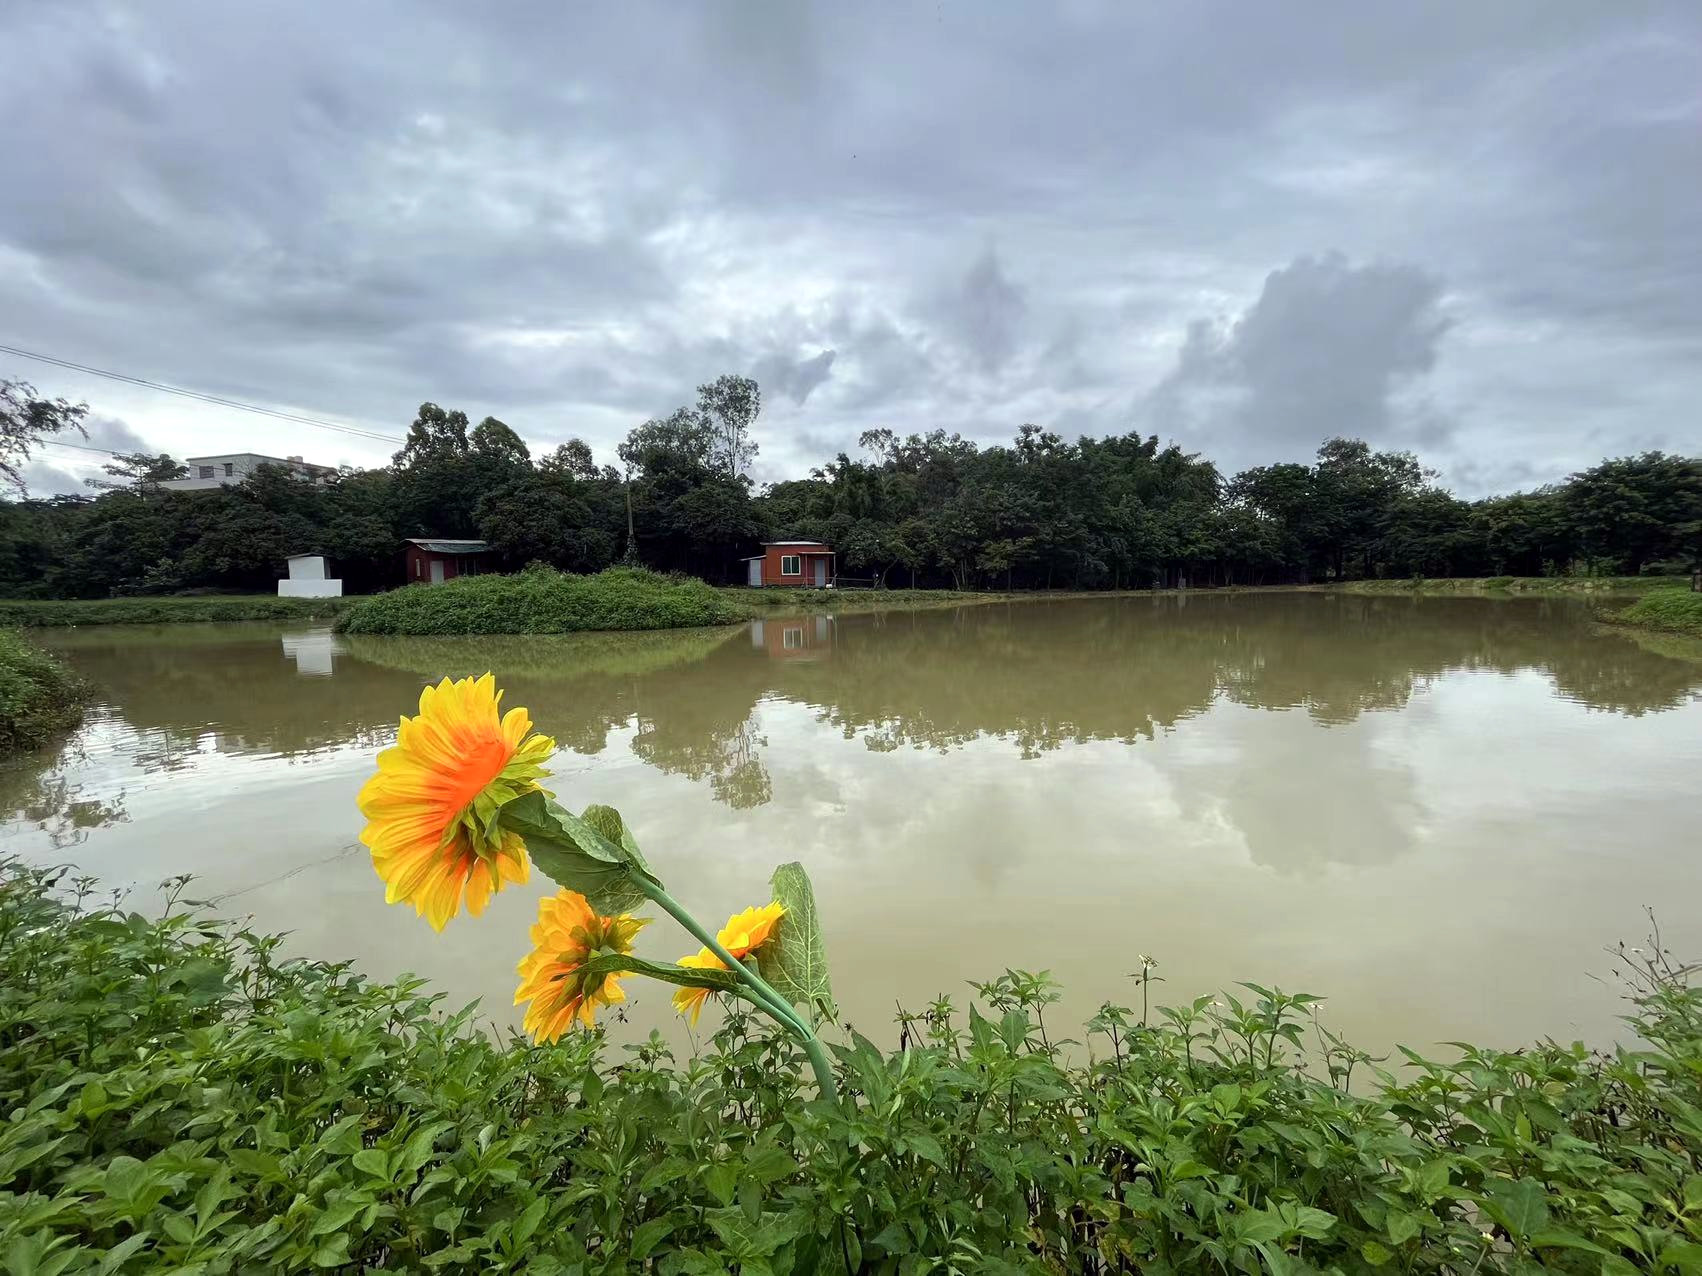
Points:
[(821, 573), (755, 576), (437, 571)]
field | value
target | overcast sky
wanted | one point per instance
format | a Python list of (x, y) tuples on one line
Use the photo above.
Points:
[(1470, 229)]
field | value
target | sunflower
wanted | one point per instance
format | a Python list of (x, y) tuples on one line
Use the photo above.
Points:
[(743, 934), (568, 933), (432, 808)]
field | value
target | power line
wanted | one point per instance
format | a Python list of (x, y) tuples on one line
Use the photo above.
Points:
[(205, 398), (81, 447)]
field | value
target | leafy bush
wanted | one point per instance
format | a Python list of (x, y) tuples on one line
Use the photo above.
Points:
[(542, 601), (178, 1098), (165, 611), (1670, 611), (39, 696)]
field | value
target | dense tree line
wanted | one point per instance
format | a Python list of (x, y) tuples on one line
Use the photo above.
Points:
[(926, 509)]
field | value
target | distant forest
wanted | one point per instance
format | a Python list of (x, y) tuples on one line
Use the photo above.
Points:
[(928, 509)]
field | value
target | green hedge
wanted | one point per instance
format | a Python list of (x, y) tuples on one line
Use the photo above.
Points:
[(177, 1098), (542, 601), (39, 697), (166, 611)]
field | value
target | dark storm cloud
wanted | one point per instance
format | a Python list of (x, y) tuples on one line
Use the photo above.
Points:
[(570, 217)]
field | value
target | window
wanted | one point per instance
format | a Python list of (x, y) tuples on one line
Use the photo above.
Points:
[(206, 471), (791, 565), (229, 469), (792, 638)]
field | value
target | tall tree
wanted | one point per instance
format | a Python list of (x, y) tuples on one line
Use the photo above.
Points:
[(142, 471), (26, 421), (729, 406)]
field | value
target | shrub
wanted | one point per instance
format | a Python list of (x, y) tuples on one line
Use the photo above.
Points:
[(39, 697), (179, 1098), (542, 601)]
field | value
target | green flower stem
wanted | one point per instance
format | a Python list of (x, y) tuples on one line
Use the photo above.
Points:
[(761, 991)]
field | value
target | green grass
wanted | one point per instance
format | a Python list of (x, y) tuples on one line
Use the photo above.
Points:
[(1666, 611), (541, 601), (1509, 585), (178, 1098), (842, 601), (199, 608), (541, 656), (39, 697)]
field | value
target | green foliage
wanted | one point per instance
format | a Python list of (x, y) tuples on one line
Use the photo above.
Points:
[(926, 510), (39, 697), (593, 854), (542, 601), (28, 420), (191, 609), (179, 1098), (1670, 611), (794, 962)]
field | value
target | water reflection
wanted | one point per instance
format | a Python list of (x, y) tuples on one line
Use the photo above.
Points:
[(1039, 676), (1310, 788), (40, 794)]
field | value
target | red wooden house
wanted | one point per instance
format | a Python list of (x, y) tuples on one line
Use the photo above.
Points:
[(798, 563), (433, 560)]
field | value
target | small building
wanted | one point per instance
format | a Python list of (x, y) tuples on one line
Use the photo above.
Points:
[(800, 563), (208, 473), (309, 579), (434, 560)]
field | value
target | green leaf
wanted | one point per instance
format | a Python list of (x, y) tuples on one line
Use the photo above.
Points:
[(794, 960), (1401, 1226), (1553, 1238), (666, 971), (574, 853), (607, 822), (1375, 1254), (722, 1180), (1519, 1205), (646, 1236)]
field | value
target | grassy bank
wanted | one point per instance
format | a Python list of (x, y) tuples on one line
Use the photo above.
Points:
[(1665, 611), (845, 601), (541, 601), (551, 657), (30, 613), (39, 697), (179, 1099), (1509, 585)]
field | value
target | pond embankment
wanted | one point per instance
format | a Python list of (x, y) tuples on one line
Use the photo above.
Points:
[(39, 697)]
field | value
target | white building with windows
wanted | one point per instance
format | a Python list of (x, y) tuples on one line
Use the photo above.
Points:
[(208, 472)]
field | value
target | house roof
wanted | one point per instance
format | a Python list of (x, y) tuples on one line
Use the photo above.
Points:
[(449, 546), (798, 544)]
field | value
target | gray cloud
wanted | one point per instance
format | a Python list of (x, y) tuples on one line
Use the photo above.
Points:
[(1327, 348), (43, 478), (571, 216), (794, 378), (983, 312)]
